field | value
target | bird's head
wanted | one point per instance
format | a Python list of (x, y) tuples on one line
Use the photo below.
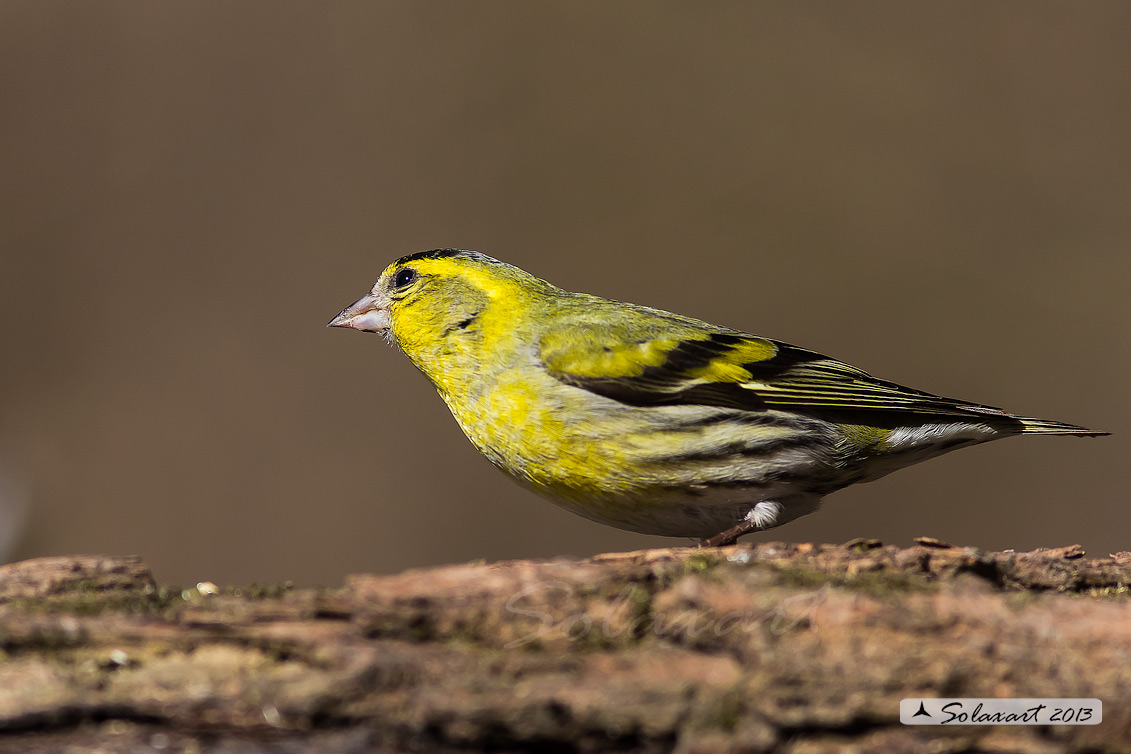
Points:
[(423, 300)]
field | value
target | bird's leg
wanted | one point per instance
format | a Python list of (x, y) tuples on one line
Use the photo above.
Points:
[(762, 516), (731, 535)]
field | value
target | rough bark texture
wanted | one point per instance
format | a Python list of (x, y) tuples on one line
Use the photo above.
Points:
[(765, 648)]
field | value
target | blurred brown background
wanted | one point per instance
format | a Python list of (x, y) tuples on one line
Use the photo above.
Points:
[(940, 194)]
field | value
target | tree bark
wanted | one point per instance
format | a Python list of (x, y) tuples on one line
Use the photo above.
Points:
[(751, 648)]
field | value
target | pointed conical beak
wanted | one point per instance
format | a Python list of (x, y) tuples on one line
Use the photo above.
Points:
[(369, 313)]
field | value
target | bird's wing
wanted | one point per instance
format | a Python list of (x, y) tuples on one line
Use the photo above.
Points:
[(731, 369)]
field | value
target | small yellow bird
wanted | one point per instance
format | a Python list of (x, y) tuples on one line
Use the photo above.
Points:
[(652, 421)]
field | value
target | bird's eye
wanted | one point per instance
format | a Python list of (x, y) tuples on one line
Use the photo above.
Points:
[(404, 278)]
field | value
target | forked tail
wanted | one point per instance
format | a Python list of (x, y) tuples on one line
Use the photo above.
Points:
[(1046, 427)]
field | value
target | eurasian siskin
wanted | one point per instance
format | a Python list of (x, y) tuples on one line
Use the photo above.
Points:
[(652, 421)]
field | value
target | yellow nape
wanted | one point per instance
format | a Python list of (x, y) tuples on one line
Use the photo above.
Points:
[(496, 281)]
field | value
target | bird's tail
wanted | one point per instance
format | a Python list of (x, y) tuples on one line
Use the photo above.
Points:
[(1046, 427)]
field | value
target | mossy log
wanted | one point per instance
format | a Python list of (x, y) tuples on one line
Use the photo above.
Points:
[(752, 648)]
